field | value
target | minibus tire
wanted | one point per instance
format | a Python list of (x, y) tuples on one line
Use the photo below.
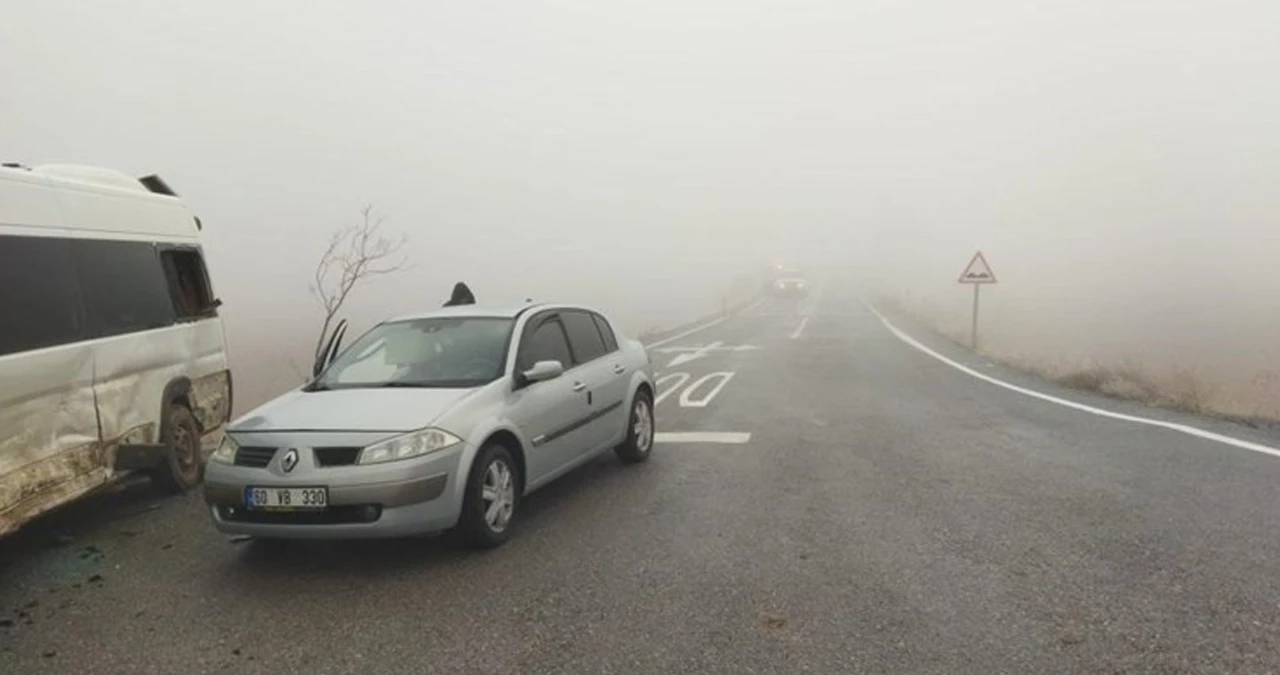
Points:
[(183, 465)]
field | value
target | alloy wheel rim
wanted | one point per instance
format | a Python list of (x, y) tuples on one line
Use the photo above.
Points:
[(642, 428), (498, 494)]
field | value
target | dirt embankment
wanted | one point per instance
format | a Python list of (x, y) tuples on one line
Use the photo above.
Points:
[(1162, 371)]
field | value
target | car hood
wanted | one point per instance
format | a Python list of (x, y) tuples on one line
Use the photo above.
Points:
[(351, 410)]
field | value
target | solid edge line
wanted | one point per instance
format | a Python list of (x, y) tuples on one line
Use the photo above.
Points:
[(1172, 426), (714, 322)]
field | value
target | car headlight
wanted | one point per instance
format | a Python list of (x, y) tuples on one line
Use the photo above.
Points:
[(226, 452), (414, 444)]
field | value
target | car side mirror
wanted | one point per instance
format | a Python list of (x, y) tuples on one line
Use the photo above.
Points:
[(542, 371)]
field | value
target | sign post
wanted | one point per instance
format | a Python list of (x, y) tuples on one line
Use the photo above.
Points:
[(976, 273)]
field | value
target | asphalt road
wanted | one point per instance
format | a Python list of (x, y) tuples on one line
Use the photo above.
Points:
[(887, 514)]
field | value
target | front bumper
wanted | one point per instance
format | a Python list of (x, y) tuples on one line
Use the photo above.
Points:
[(396, 499)]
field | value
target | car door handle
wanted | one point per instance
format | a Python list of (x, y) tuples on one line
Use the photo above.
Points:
[(619, 369), (579, 386)]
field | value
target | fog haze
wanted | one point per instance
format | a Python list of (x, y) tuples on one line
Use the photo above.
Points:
[(1116, 162)]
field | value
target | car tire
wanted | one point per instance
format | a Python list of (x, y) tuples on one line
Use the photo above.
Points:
[(183, 465), (640, 431), (494, 483)]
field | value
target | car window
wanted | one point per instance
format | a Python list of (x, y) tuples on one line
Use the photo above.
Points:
[(546, 343), (39, 300), (432, 352), (606, 332), (124, 286), (584, 337)]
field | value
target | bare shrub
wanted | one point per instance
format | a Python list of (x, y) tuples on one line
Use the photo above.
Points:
[(356, 252)]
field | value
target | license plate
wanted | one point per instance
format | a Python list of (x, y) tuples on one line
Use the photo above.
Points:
[(286, 499)]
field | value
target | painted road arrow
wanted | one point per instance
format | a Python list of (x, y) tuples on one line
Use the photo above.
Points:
[(692, 353)]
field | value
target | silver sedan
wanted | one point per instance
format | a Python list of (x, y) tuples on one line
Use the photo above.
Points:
[(435, 421)]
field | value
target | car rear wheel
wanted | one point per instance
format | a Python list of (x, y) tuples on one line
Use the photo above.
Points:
[(640, 430), (492, 496), (183, 466)]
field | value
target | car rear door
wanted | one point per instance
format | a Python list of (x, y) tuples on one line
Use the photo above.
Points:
[(619, 384), (549, 413), (606, 387)]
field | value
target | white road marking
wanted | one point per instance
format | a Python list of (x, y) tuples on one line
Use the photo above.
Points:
[(663, 393), (730, 437), (695, 354), (702, 327), (717, 346), (1180, 428), (800, 329), (817, 297), (686, 396)]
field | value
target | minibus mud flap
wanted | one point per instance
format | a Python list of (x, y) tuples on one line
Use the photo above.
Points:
[(140, 456)]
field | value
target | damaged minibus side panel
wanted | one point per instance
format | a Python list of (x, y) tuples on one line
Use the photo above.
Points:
[(49, 444), (138, 375), (50, 450)]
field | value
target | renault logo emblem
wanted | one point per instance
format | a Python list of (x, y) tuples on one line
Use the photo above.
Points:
[(290, 460)]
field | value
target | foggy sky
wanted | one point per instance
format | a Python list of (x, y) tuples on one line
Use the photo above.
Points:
[(1115, 160)]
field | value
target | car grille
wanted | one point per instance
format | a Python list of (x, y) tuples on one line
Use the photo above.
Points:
[(336, 456), (332, 515), (255, 457)]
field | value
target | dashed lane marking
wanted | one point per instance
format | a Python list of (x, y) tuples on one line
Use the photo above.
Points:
[(702, 327), (724, 437)]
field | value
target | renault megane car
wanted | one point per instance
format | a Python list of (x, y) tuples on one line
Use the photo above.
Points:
[(436, 421)]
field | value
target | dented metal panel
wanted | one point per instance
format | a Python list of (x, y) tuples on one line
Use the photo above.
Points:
[(210, 400), (65, 411), (50, 449), (134, 373)]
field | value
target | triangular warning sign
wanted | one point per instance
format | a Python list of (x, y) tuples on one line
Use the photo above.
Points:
[(977, 271)]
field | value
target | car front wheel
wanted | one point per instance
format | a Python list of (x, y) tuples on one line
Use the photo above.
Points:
[(640, 430), (489, 506)]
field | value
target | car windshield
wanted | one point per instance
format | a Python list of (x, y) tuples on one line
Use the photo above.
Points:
[(434, 352)]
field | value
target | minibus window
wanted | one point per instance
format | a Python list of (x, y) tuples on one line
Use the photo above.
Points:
[(39, 301), (124, 286)]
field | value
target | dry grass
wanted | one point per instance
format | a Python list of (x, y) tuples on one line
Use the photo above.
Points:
[(1185, 388)]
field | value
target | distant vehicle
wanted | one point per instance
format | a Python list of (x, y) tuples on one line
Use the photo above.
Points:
[(790, 284), (112, 355), (432, 422)]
